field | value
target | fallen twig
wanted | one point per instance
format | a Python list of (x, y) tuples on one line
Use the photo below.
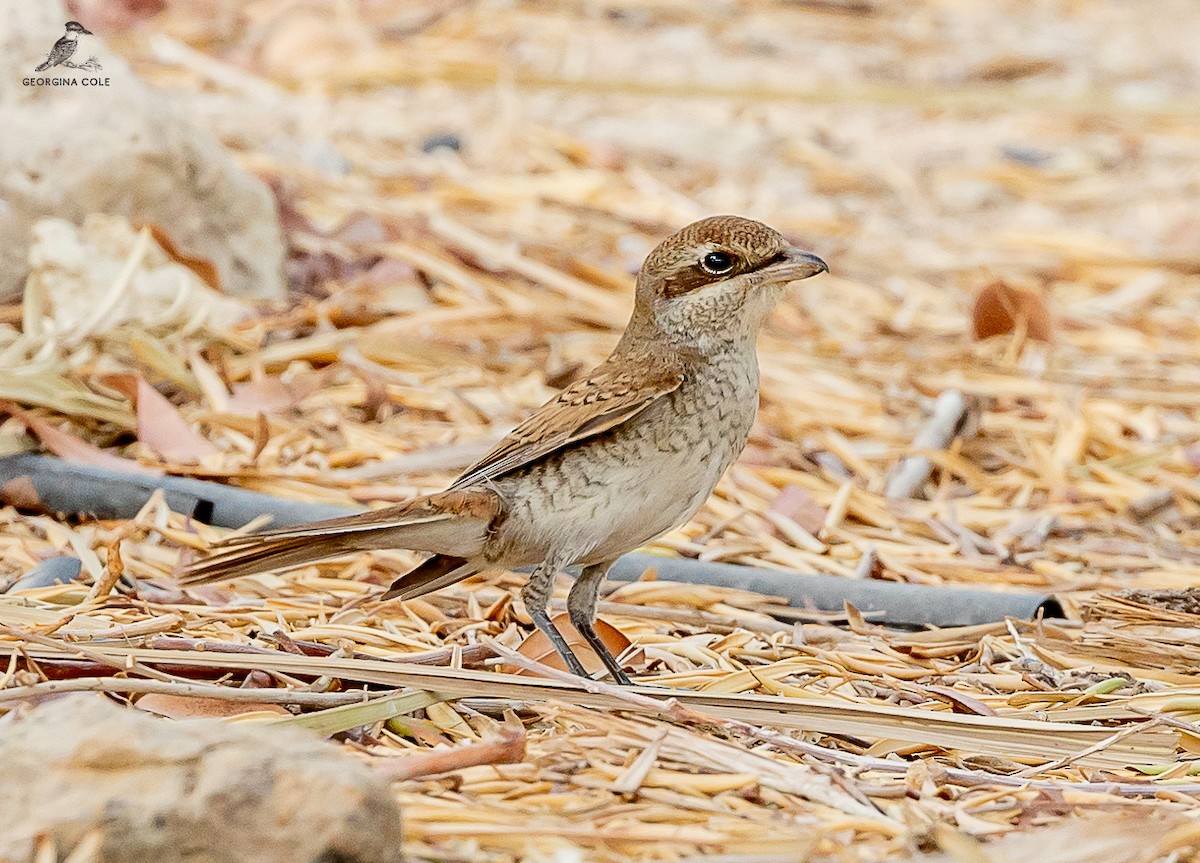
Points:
[(135, 686), (506, 748)]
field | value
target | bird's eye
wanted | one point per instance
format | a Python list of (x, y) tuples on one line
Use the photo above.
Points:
[(717, 263)]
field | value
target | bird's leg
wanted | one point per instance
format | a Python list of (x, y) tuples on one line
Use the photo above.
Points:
[(581, 607), (536, 596)]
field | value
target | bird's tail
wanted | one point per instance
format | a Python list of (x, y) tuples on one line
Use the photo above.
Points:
[(453, 524), (434, 574), (43, 67)]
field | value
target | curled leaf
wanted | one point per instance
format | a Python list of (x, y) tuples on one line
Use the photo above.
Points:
[(538, 647), (202, 267), (159, 425), (801, 507), (75, 449), (193, 707), (1001, 308)]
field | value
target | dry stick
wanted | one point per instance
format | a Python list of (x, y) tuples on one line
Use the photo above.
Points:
[(125, 631), (1091, 750), (673, 709), (114, 567), (471, 653), (506, 748), (128, 665), (686, 616), (988, 735), (950, 413), (1166, 719), (135, 686)]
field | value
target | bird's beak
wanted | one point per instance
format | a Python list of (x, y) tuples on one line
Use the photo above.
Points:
[(86, 32), (796, 264)]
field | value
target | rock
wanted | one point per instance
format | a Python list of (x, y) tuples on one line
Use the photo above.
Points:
[(61, 569), (159, 791), (119, 149)]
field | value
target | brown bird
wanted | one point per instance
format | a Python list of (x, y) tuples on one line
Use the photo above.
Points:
[(615, 460)]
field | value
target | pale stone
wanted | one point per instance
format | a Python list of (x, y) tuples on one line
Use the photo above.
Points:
[(161, 791)]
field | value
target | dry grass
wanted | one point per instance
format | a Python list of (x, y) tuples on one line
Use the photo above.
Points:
[(927, 151)]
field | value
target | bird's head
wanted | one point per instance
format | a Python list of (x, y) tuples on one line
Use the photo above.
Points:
[(716, 280), (76, 27)]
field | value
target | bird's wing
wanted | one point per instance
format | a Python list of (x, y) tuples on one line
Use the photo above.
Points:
[(62, 50), (599, 402)]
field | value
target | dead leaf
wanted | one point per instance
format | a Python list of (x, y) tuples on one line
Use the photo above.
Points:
[(387, 288), (262, 434), (159, 425), (268, 395), (855, 621), (191, 707), (202, 267), (74, 449), (1000, 308), (800, 506), (537, 646)]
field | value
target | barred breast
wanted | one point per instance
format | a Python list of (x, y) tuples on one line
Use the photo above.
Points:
[(636, 482)]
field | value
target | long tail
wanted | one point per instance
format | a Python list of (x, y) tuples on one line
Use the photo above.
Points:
[(43, 67), (454, 523)]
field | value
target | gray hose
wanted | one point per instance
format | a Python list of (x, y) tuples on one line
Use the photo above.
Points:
[(51, 484)]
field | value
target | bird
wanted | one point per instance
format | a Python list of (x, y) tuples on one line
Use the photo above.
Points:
[(627, 453), (65, 47)]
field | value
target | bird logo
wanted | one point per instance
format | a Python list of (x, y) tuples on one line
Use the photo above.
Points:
[(64, 50)]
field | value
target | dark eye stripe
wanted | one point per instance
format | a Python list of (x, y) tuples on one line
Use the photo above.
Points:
[(694, 276)]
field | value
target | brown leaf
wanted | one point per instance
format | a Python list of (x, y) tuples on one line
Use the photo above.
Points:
[(159, 425), (1000, 308), (537, 646), (202, 267), (962, 701), (191, 707), (800, 506), (74, 449)]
